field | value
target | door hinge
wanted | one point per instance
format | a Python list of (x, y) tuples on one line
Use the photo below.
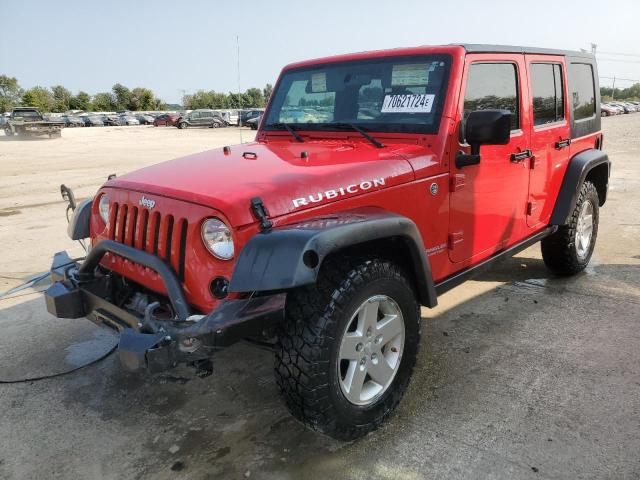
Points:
[(531, 207), (455, 238), (457, 182)]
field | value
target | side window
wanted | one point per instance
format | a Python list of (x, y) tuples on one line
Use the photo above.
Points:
[(582, 91), (195, 115), (493, 86), (548, 93)]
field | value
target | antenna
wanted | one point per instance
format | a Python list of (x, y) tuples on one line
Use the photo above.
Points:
[(239, 94)]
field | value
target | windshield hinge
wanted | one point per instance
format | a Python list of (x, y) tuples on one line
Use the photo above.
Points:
[(261, 213)]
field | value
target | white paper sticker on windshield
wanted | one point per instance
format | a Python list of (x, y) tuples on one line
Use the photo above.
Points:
[(409, 103), (319, 82), (414, 74)]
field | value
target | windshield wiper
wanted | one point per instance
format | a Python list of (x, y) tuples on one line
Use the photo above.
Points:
[(357, 129), (289, 129)]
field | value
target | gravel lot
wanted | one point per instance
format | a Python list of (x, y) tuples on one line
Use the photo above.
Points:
[(521, 375)]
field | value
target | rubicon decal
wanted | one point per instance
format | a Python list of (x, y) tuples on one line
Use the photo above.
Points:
[(339, 192), (147, 202)]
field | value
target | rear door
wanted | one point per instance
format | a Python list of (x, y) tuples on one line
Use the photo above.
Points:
[(550, 134), (487, 201)]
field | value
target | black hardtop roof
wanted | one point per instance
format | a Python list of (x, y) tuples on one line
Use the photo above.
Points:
[(484, 48)]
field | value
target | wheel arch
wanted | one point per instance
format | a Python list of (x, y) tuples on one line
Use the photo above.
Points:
[(592, 165), (291, 256)]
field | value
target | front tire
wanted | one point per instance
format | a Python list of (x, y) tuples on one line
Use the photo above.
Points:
[(182, 125), (348, 346), (569, 250)]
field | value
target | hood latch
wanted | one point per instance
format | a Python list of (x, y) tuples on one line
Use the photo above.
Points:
[(261, 213)]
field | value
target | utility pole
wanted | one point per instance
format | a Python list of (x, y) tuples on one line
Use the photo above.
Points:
[(613, 89), (239, 94), (184, 94)]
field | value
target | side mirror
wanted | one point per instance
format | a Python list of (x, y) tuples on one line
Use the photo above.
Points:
[(484, 127)]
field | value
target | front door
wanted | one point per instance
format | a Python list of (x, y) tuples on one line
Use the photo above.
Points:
[(550, 133), (487, 201)]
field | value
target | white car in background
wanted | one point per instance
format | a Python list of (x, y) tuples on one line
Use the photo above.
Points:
[(128, 120)]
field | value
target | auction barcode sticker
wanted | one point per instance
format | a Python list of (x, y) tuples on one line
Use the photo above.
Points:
[(409, 103)]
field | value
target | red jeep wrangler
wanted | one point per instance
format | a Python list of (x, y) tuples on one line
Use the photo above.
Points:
[(376, 182)]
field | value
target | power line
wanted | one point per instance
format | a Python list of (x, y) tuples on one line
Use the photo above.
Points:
[(621, 79), (617, 60), (622, 54)]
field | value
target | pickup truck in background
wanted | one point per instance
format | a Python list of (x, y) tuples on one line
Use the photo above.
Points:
[(28, 121)]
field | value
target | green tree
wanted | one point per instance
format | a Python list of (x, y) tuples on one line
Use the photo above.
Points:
[(38, 97), (122, 96), (81, 101), (61, 98), (266, 92), (10, 93), (103, 102), (255, 97)]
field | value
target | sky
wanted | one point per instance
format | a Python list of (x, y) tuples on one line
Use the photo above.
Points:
[(182, 46)]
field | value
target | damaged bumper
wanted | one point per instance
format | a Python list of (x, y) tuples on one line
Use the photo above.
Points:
[(146, 341)]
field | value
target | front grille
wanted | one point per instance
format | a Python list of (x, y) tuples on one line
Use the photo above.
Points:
[(155, 233)]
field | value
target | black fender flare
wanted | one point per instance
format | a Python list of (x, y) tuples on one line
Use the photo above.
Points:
[(579, 167), (78, 227), (290, 256)]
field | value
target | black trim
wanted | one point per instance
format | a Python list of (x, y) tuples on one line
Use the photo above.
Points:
[(460, 277), (589, 125), (78, 227), (578, 169), (174, 289), (276, 260), (147, 342)]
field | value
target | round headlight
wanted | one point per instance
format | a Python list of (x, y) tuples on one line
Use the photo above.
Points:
[(217, 238), (103, 208)]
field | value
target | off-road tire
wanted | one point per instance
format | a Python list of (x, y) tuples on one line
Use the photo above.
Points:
[(559, 250), (309, 341)]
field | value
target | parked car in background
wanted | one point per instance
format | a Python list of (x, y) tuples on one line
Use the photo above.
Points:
[(623, 107), (632, 106), (201, 118), (246, 115), (110, 120), (72, 121), (93, 121), (128, 120), (608, 110), (145, 119), (253, 123), (166, 119)]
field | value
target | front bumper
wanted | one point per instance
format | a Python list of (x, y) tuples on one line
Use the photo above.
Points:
[(146, 341)]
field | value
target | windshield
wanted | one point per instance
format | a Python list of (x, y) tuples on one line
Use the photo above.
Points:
[(26, 114), (394, 94)]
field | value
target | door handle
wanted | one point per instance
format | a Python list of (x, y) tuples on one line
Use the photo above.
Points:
[(520, 156), (563, 144)]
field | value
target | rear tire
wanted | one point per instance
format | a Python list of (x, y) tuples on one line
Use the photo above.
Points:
[(340, 370), (182, 125), (569, 250)]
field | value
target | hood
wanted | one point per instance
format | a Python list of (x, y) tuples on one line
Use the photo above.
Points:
[(277, 172)]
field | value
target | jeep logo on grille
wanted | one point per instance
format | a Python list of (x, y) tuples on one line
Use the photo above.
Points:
[(147, 202)]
